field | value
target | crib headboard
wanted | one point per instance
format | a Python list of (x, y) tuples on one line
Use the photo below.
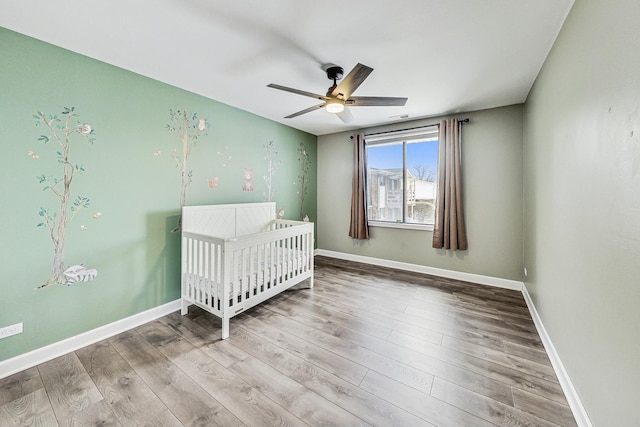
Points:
[(227, 221)]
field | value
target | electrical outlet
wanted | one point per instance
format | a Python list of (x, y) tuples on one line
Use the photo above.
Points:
[(7, 331), (525, 272)]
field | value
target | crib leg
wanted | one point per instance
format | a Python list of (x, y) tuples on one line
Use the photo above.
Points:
[(184, 307), (225, 328)]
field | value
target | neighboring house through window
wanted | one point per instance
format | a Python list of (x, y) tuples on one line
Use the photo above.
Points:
[(401, 177)]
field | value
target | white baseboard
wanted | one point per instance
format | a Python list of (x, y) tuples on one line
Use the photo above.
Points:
[(57, 349), (458, 275), (579, 412)]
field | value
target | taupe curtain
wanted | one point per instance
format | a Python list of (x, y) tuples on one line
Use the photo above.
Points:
[(449, 231), (358, 229)]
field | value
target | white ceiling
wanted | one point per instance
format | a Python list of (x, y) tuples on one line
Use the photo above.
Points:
[(446, 56)]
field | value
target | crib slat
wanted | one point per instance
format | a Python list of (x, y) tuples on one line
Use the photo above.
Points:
[(207, 272), (195, 269), (246, 258), (300, 254), (282, 260), (290, 257), (190, 268), (199, 271), (294, 248), (262, 264), (305, 251), (252, 269), (202, 283), (218, 290), (215, 272), (234, 283), (272, 263), (185, 266), (278, 264), (196, 272)]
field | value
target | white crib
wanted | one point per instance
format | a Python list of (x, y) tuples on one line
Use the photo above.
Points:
[(238, 255)]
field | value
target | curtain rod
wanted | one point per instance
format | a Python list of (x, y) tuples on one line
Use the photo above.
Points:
[(417, 127)]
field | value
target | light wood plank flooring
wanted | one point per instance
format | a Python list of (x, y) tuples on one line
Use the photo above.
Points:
[(366, 346)]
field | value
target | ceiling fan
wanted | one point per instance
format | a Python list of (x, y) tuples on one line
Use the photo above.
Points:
[(339, 95)]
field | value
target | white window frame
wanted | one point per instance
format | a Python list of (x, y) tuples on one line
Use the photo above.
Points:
[(405, 136)]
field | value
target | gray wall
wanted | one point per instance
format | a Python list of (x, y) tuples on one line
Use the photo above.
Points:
[(582, 205), (492, 180)]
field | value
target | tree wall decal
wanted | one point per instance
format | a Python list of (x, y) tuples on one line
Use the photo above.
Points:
[(63, 132), (305, 162), (271, 154), (189, 128)]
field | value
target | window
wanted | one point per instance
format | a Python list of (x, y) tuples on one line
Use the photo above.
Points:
[(401, 177)]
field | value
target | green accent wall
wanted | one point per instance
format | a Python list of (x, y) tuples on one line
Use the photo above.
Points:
[(131, 180), (582, 205)]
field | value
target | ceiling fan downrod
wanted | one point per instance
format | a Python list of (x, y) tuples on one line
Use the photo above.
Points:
[(334, 73)]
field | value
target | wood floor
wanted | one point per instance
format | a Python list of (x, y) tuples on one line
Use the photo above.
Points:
[(366, 346)]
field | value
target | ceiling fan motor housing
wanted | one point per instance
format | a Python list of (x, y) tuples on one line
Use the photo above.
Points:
[(335, 73)]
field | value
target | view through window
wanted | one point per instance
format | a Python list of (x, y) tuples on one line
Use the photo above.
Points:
[(401, 176)]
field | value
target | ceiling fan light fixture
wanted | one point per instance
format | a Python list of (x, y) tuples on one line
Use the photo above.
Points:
[(334, 106)]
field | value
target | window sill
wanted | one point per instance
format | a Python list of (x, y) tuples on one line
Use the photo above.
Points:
[(406, 226)]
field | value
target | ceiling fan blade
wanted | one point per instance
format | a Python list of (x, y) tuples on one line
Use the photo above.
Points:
[(306, 110), (350, 83), (372, 101), (297, 91), (345, 115)]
